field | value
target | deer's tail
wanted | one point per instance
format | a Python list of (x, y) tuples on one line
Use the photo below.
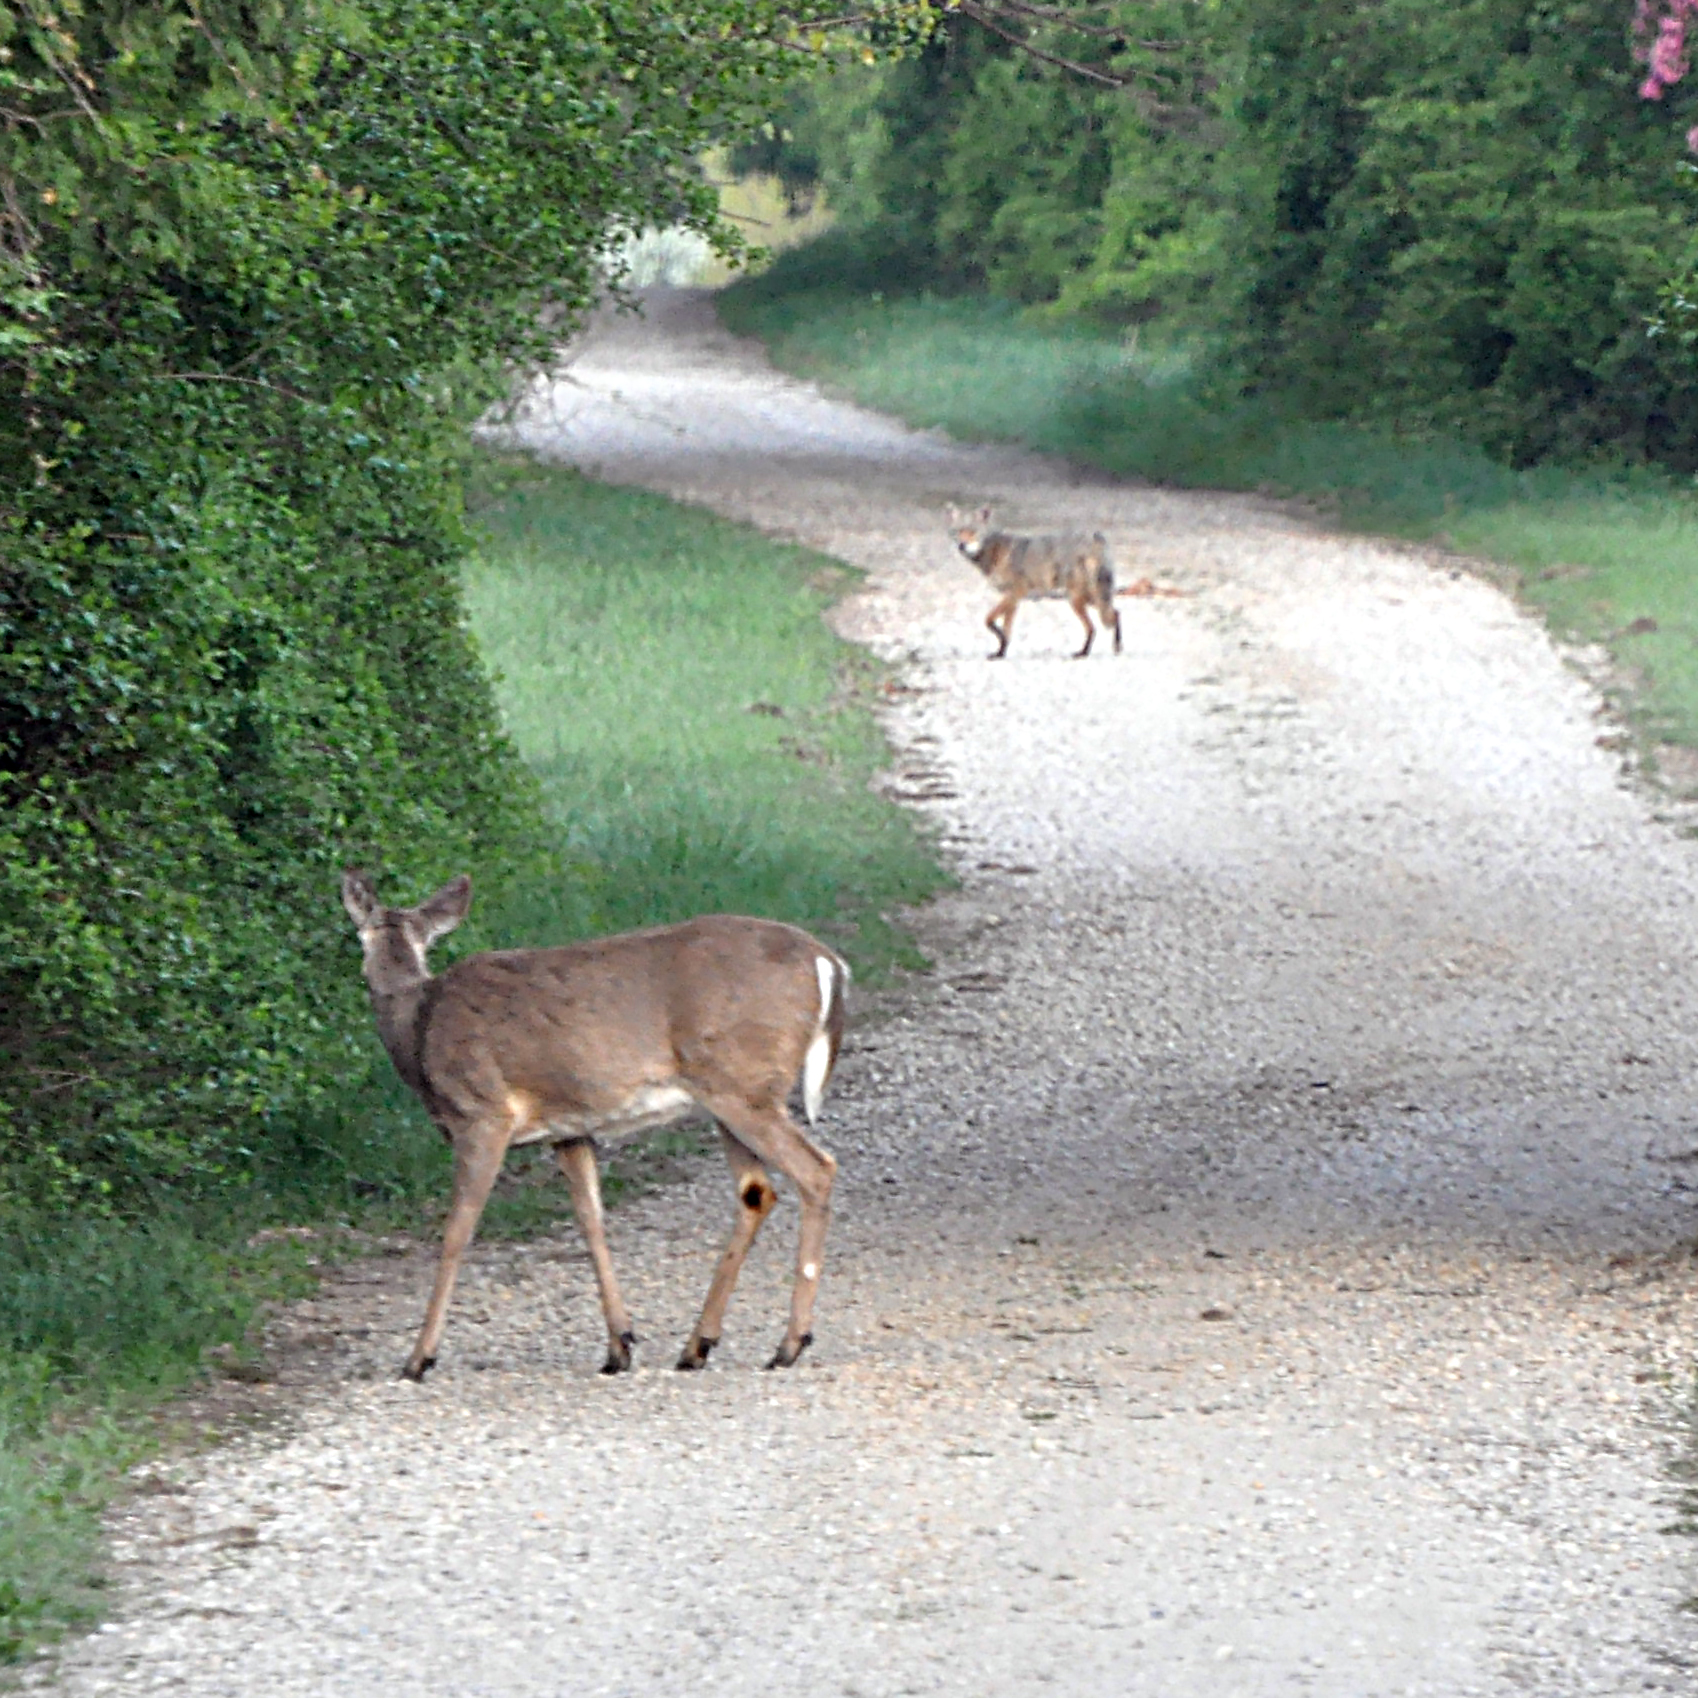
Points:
[(833, 973)]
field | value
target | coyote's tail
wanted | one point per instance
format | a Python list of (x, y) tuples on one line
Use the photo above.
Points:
[(1105, 589)]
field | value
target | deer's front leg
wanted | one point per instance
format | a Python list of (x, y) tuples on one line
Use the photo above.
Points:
[(577, 1162), (477, 1162)]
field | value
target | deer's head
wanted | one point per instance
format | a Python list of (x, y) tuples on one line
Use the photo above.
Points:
[(396, 940)]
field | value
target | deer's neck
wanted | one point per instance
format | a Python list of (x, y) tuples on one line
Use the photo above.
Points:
[(398, 1008)]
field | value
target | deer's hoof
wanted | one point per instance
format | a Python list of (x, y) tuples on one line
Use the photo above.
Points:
[(416, 1371), (786, 1357), (619, 1353), (696, 1354)]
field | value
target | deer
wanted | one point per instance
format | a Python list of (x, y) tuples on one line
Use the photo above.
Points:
[(602, 1040)]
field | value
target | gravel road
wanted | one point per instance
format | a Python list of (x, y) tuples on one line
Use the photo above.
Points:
[(1263, 1260)]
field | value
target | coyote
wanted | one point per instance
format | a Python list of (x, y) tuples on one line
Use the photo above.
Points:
[(1072, 565)]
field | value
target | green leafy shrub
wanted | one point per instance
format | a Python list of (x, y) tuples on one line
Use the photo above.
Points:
[(257, 268), (1464, 218)]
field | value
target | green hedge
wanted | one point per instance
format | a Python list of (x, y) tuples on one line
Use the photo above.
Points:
[(258, 265)]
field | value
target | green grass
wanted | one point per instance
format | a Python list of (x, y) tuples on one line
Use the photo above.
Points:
[(702, 742), (100, 1320), (1603, 553)]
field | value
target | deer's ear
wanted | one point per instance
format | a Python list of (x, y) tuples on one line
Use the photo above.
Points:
[(359, 898), (438, 915)]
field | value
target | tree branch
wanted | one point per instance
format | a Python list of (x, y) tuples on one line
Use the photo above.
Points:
[(1064, 18), (979, 15)]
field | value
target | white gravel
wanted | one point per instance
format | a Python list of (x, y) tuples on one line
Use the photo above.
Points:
[(1312, 969)]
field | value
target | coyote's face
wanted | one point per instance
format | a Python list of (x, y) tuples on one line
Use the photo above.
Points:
[(970, 535)]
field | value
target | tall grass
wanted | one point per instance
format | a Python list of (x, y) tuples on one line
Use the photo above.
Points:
[(1605, 553), (702, 742)]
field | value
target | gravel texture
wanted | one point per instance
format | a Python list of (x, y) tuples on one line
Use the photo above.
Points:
[(1263, 1258)]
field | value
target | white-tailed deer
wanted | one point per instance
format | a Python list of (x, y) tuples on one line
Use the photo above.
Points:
[(603, 1040)]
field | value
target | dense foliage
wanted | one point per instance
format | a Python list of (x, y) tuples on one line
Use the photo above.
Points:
[(1459, 216), (258, 263)]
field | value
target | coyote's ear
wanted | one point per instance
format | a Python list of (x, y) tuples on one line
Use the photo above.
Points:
[(359, 898), (984, 515), (438, 915)]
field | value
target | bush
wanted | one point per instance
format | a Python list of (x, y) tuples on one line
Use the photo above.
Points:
[(257, 268)]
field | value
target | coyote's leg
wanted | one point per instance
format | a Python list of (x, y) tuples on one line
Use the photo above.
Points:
[(477, 1160), (1111, 618), (778, 1142), (1080, 605), (577, 1162), (1004, 610), (755, 1201)]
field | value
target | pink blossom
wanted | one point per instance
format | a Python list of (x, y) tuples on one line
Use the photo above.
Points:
[(1664, 53), (1668, 56)]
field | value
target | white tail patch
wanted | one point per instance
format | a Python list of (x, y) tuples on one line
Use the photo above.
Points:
[(816, 1066), (814, 1070)]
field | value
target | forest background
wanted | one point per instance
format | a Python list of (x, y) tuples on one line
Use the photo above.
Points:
[(262, 266), (1463, 217)]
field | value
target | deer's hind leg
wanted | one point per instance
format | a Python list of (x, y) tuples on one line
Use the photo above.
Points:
[(577, 1162), (477, 1162), (756, 1199), (763, 1127), (1003, 612), (1079, 601)]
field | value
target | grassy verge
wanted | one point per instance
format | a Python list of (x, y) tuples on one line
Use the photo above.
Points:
[(702, 739), (99, 1321), (702, 742), (1608, 555)]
